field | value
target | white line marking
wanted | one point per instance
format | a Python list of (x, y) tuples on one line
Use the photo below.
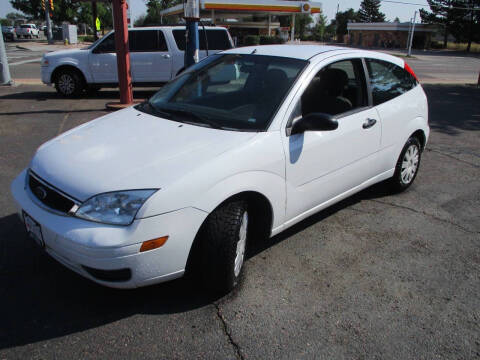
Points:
[(26, 61)]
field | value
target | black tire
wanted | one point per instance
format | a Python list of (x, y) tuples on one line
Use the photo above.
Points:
[(69, 83), (220, 237), (407, 166)]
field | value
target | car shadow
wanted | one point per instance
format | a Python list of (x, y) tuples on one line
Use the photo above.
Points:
[(42, 299), (444, 102)]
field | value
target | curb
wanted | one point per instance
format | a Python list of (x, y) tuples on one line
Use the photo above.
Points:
[(22, 47)]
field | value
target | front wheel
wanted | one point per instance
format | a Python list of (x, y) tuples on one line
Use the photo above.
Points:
[(223, 246), (69, 83), (407, 166)]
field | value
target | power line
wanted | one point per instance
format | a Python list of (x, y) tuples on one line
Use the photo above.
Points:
[(417, 4)]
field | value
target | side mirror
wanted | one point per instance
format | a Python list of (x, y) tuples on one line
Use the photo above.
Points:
[(314, 122)]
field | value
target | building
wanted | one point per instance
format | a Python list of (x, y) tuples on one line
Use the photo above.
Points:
[(389, 35), (251, 17)]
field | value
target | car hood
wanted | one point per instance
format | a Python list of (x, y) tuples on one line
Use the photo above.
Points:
[(68, 52), (128, 150)]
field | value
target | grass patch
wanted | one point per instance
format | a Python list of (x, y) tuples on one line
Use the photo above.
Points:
[(475, 48)]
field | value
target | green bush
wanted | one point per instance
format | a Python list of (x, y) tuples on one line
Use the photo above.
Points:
[(86, 38), (436, 45), (252, 40), (267, 40)]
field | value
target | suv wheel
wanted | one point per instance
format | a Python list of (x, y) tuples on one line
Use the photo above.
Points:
[(69, 83), (407, 166), (224, 242)]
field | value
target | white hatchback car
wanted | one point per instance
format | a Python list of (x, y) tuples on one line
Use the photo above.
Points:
[(156, 56), (239, 147)]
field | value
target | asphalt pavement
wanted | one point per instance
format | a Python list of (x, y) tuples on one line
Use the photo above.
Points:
[(377, 276)]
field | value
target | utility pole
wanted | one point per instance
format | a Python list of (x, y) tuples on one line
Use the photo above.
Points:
[(4, 69), (412, 35), (192, 16), (123, 55), (336, 21), (94, 15), (48, 21)]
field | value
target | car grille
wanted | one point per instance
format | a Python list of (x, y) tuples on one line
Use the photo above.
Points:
[(48, 195)]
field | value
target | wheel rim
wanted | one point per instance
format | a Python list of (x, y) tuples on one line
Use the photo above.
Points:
[(241, 244), (66, 84), (410, 164)]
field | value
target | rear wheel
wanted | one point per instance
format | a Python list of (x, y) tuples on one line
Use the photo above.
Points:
[(407, 166), (69, 83), (224, 242)]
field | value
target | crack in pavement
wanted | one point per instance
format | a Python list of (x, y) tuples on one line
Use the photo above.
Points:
[(228, 332), (427, 214), (452, 157)]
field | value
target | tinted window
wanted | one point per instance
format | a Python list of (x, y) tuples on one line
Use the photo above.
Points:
[(217, 39), (237, 92), (388, 80), (337, 88), (107, 45), (146, 41)]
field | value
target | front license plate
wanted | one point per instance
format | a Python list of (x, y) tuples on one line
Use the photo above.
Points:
[(34, 230)]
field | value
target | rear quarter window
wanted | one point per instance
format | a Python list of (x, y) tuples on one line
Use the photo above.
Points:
[(217, 39), (387, 80)]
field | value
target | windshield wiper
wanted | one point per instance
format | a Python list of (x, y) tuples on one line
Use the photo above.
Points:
[(148, 107), (199, 119)]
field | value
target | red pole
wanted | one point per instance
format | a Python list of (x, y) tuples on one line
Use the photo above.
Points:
[(123, 55)]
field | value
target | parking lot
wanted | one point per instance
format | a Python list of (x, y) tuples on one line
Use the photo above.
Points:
[(376, 276)]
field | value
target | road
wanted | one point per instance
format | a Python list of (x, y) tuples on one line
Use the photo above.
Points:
[(431, 67), (376, 276)]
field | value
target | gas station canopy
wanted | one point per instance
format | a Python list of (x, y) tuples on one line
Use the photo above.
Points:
[(236, 7), (232, 14)]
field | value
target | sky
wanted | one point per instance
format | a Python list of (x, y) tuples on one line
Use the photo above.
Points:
[(404, 12)]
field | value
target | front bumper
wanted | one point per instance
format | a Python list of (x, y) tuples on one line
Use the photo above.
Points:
[(46, 73), (80, 244)]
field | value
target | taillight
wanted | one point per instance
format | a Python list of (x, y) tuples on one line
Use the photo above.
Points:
[(410, 71)]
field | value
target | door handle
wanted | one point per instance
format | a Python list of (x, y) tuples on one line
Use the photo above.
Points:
[(369, 123), (166, 56)]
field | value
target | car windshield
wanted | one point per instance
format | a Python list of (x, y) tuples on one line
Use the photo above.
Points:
[(227, 91)]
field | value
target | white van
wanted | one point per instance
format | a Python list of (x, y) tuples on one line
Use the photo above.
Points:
[(156, 56)]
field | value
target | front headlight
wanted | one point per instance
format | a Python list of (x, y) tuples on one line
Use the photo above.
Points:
[(116, 208)]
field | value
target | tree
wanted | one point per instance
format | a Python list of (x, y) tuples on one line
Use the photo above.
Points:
[(154, 7), (320, 27), (65, 10), (341, 22), (397, 20), (301, 23), (456, 18), (370, 11)]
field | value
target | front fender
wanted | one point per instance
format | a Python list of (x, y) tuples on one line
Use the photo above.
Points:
[(270, 185), (72, 62)]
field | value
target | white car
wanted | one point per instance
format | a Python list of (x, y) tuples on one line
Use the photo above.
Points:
[(27, 31), (156, 56), (239, 147)]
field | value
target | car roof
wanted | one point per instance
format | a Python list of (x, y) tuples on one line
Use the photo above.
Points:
[(303, 52)]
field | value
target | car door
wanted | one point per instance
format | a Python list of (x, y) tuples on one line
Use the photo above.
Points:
[(323, 165), (398, 101), (103, 61), (149, 56)]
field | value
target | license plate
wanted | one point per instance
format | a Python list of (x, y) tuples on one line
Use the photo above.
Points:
[(34, 230)]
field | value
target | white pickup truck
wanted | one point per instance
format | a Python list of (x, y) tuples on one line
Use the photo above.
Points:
[(156, 57), (27, 31)]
